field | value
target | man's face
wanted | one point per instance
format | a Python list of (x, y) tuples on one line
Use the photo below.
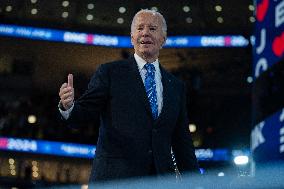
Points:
[(147, 35)]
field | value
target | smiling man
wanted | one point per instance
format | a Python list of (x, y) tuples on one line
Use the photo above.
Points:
[(148, 34), (142, 109)]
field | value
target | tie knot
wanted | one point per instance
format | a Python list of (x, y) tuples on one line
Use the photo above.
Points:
[(149, 67)]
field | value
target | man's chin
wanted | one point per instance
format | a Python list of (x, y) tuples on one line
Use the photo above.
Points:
[(147, 50), (147, 53)]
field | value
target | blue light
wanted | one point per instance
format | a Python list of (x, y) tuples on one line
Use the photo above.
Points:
[(48, 147), (202, 171), (86, 151), (117, 41)]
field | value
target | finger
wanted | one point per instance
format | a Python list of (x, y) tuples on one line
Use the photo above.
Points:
[(67, 95), (70, 80), (65, 90), (64, 85), (67, 102)]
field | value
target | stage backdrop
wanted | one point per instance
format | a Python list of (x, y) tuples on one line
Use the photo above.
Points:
[(267, 136)]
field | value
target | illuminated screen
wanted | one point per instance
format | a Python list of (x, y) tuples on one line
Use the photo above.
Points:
[(118, 41), (267, 137)]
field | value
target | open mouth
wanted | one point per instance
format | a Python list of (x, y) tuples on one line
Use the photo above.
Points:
[(146, 42)]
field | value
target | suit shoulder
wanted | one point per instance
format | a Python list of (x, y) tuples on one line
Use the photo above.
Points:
[(106, 69), (114, 64)]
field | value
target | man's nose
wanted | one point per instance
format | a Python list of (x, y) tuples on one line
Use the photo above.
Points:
[(145, 32)]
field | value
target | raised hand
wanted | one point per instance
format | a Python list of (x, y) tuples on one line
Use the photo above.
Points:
[(66, 93)]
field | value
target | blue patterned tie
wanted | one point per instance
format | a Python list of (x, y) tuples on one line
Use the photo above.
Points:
[(150, 86)]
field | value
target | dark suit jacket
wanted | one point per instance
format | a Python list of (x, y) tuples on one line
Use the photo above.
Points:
[(130, 142)]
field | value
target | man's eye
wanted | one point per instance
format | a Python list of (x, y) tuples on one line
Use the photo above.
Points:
[(153, 29), (139, 29)]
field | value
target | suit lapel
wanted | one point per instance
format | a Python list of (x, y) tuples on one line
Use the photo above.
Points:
[(167, 88), (137, 83)]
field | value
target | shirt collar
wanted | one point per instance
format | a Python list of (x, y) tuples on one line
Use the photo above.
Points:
[(141, 62)]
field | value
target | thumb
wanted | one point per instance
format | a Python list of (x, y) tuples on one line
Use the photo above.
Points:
[(70, 80)]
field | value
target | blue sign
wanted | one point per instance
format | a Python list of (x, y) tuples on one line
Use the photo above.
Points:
[(118, 41), (88, 151), (47, 147), (212, 155), (269, 35), (267, 138)]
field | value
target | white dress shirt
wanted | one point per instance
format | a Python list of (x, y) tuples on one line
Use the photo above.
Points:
[(158, 79)]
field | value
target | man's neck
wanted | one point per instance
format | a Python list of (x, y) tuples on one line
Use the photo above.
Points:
[(148, 58)]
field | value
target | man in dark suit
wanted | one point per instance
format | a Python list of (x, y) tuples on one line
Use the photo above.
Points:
[(142, 109)]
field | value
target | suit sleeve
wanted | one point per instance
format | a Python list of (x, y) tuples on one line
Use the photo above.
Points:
[(182, 142), (89, 106)]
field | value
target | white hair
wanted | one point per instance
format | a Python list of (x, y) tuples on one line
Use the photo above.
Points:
[(164, 24)]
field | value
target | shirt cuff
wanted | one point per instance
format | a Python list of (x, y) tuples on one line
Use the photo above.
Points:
[(65, 113)]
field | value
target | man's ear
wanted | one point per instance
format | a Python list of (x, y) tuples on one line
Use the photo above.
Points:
[(164, 41), (131, 36)]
